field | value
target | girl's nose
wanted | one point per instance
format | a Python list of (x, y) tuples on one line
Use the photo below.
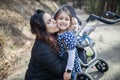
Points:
[(64, 21)]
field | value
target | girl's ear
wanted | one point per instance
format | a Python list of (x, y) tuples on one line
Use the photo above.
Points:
[(70, 22)]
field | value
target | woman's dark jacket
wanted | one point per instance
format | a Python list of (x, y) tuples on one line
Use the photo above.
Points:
[(45, 64)]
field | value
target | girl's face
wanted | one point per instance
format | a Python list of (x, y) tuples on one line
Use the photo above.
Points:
[(63, 21), (50, 23)]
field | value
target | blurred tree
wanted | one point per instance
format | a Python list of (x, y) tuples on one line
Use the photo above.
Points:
[(61, 1), (111, 5), (74, 3), (78, 3), (93, 6), (118, 7), (99, 7)]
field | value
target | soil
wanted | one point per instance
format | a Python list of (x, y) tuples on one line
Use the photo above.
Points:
[(107, 46)]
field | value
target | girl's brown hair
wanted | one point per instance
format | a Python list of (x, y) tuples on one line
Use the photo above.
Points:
[(63, 9)]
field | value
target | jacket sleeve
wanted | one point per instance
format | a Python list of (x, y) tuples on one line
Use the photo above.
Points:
[(50, 61)]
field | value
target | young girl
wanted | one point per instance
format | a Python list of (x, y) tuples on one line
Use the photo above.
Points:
[(67, 42)]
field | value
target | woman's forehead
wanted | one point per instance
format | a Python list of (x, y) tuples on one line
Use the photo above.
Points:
[(46, 17)]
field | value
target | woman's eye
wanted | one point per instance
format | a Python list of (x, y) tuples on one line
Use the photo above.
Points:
[(60, 18), (49, 21)]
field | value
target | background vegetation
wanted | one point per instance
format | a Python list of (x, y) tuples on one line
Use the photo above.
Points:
[(95, 6)]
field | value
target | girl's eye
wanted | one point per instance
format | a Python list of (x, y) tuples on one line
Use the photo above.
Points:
[(67, 19)]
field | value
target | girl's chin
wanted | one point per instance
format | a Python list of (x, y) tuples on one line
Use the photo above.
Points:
[(63, 28)]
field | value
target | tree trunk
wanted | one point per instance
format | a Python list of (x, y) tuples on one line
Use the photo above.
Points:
[(114, 6), (101, 7)]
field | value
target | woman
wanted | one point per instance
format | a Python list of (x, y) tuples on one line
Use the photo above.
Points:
[(45, 64)]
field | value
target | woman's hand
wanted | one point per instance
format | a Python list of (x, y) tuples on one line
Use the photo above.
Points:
[(67, 76)]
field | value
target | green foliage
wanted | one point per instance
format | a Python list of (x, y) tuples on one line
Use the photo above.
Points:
[(93, 6), (118, 7), (61, 1), (100, 6)]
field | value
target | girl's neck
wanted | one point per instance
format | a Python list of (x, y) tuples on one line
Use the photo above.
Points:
[(62, 31)]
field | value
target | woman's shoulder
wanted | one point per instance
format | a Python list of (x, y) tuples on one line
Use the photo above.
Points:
[(39, 45), (41, 48)]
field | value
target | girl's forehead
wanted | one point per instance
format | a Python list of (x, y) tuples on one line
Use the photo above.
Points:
[(63, 13)]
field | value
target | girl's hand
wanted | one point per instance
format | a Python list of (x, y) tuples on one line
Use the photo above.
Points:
[(67, 76)]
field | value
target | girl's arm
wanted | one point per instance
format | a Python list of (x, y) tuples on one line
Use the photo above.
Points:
[(71, 59), (70, 44)]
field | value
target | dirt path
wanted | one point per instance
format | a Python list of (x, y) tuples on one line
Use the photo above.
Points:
[(107, 39)]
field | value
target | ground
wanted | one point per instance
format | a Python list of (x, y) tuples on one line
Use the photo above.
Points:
[(107, 45), (16, 39)]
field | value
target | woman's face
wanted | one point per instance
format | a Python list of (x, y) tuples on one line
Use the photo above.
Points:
[(63, 21), (50, 23)]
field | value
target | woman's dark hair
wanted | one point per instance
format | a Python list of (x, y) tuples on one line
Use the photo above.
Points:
[(36, 21), (38, 27)]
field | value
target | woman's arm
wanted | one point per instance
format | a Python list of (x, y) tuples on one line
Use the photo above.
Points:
[(50, 61)]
